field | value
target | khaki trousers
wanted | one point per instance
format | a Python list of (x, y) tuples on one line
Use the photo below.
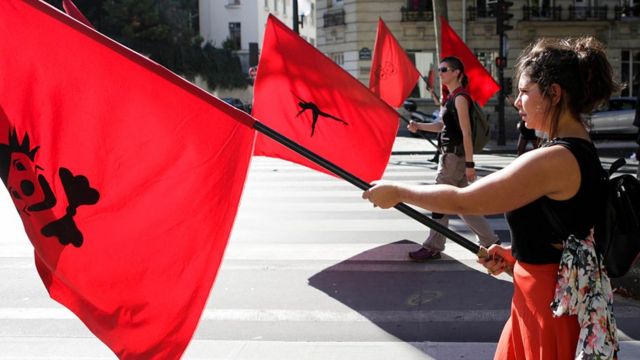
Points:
[(451, 171)]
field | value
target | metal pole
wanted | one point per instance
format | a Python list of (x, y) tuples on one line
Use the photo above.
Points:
[(419, 133), (501, 120), (363, 185), (296, 20)]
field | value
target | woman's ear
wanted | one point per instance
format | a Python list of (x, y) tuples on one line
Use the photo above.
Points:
[(555, 91)]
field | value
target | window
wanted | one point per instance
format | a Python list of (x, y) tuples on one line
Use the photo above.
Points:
[(234, 35), (331, 3), (266, 4), (420, 5), (338, 58), (233, 2), (423, 60), (484, 8), (486, 58), (275, 5), (312, 14), (540, 8), (284, 7), (630, 72)]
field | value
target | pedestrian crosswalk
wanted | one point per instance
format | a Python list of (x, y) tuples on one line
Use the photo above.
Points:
[(311, 271)]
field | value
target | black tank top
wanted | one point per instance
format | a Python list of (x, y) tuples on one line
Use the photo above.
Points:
[(531, 231), (451, 132)]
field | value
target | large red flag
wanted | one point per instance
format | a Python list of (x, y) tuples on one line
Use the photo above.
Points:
[(126, 177), (482, 86), (305, 96), (392, 76)]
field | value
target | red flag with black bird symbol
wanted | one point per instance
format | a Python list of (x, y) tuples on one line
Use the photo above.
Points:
[(302, 94), (393, 75), (126, 177), (481, 86)]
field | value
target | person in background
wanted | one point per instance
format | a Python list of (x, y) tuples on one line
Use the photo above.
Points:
[(551, 318), (526, 135), (456, 166)]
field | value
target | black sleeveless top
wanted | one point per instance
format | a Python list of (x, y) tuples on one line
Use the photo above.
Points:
[(451, 133), (531, 232)]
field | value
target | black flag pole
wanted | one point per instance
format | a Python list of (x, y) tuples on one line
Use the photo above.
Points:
[(419, 133), (363, 185)]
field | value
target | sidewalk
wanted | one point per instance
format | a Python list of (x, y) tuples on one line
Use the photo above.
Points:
[(406, 144)]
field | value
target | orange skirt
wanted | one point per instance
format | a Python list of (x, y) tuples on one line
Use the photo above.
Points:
[(532, 333)]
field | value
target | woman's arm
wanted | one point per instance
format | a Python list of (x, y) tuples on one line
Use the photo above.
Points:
[(432, 127), (552, 171)]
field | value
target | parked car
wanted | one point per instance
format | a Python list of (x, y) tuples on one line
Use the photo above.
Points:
[(418, 116), (615, 120), (237, 103)]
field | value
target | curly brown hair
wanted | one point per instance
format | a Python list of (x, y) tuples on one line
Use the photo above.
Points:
[(578, 65)]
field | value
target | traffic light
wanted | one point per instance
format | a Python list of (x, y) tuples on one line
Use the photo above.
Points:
[(501, 62), (502, 16)]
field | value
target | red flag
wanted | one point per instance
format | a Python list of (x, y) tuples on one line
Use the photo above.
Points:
[(431, 78), (482, 86), (126, 177), (393, 76), (73, 11), (305, 96)]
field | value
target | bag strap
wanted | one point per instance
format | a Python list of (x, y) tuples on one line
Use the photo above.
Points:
[(466, 95), (616, 165)]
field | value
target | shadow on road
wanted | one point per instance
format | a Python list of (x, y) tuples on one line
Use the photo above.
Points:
[(443, 301)]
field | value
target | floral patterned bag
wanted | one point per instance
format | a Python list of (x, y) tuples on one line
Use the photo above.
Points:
[(583, 289)]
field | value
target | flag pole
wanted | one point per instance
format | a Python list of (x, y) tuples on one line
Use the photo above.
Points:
[(419, 133), (363, 185)]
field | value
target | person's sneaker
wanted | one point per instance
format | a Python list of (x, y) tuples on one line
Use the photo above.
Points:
[(424, 254)]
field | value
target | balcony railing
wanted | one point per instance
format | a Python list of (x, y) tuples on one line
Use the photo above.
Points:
[(475, 13), (334, 18), (587, 12), (552, 13), (626, 11), (414, 15)]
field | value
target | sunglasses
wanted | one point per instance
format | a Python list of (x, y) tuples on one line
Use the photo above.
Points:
[(445, 69)]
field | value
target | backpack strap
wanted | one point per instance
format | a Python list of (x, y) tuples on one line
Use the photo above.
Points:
[(616, 165), (465, 94)]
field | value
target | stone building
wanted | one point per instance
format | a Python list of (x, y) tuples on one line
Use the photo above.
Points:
[(347, 29), (242, 23)]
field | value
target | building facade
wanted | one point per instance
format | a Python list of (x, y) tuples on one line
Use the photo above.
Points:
[(347, 30), (240, 24)]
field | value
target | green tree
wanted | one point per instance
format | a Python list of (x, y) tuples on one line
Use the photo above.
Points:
[(166, 32)]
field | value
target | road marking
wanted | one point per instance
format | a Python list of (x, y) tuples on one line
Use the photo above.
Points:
[(279, 315)]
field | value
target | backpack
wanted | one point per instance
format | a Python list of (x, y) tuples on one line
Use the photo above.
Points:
[(617, 231), (617, 234), (480, 129)]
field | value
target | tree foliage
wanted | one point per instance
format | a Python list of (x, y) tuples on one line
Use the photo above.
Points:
[(166, 32)]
